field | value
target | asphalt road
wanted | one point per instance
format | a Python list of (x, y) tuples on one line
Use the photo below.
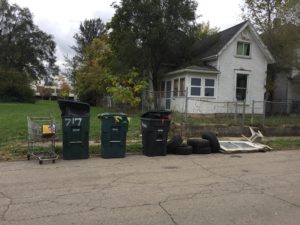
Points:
[(257, 188)]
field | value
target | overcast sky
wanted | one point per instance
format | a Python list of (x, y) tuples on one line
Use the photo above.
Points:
[(61, 18)]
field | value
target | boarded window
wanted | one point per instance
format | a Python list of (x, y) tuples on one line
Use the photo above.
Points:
[(182, 87)]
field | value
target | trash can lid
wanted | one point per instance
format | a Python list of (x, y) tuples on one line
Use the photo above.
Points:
[(162, 114), (73, 108), (111, 114)]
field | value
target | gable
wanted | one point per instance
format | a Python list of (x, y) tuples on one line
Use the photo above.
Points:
[(213, 46)]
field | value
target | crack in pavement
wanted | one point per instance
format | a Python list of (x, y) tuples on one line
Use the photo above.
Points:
[(82, 211), (7, 207), (167, 212), (255, 187)]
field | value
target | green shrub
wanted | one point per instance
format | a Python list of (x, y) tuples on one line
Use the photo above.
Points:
[(15, 87)]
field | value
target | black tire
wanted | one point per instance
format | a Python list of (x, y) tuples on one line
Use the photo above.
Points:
[(213, 141), (201, 150), (28, 157), (40, 162), (173, 143), (183, 150), (199, 142)]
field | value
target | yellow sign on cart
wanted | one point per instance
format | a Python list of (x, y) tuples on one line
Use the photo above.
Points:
[(48, 129)]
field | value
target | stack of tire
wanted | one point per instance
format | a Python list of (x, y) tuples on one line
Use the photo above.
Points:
[(176, 146), (207, 144)]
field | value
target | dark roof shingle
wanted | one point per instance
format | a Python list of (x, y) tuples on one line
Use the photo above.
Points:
[(214, 43), (202, 68)]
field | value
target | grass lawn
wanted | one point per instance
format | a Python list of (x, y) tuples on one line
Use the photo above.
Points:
[(283, 143), (13, 127), (13, 120), (13, 124)]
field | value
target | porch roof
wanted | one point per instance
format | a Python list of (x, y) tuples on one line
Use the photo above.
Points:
[(196, 69)]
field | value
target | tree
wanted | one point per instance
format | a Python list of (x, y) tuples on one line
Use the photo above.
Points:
[(146, 34), (23, 46), (278, 22), (126, 89), (203, 30), (94, 79), (65, 90), (88, 31), (26, 53), (15, 87), (90, 77)]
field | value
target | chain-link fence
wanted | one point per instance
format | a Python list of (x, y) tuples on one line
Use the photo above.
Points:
[(186, 108)]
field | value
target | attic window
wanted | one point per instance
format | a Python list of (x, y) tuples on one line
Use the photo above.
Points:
[(243, 49)]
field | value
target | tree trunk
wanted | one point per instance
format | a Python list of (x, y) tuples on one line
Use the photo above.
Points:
[(149, 101)]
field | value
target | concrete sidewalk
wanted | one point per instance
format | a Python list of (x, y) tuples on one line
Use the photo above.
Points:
[(258, 188)]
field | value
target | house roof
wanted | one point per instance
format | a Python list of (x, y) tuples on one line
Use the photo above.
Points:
[(202, 68), (213, 44), (196, 69)]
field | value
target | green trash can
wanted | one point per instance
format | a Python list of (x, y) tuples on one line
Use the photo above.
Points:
[(75, 127), (114, 127)]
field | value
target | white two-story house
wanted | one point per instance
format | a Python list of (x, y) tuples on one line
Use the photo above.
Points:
[(229, 68)]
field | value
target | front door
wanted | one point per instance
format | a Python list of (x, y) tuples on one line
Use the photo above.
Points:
[(168, 94)]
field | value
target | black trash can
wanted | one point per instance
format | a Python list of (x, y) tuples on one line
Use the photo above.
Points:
[(114, 127), (155, 127), (75, 126)]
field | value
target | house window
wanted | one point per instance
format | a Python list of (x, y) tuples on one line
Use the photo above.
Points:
[(241, 86), (175, 91), (209, 89), (243, 49), (162, 89), (196, 86), (182, 87)]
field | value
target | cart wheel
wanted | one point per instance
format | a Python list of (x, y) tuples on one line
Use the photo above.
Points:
[(41, 162), (53, 160), (28, 157)]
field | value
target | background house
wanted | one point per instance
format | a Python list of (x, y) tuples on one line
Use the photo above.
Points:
[(286, 94), (228, 70), (59, 87)]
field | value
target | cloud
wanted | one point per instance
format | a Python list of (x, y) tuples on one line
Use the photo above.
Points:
[(61, 18)]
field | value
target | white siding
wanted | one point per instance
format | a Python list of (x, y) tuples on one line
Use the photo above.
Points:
[(229, 64), (255, 66)]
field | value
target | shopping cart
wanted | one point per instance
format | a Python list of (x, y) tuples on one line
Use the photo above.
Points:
[(42, 134)]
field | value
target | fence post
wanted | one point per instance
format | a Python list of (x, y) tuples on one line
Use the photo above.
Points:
[(227, 110), (252, 116), (264, 112), (186, 104), (244, 114), (235, 112)]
